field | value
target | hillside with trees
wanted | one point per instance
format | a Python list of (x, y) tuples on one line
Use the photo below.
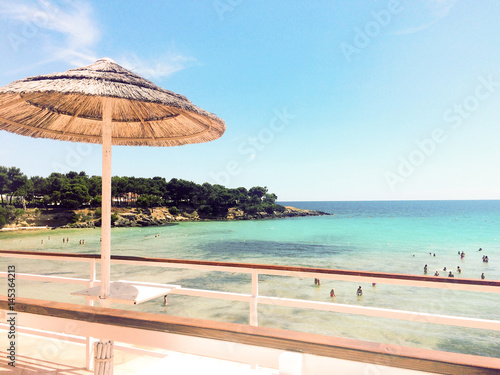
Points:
[(76, 191)]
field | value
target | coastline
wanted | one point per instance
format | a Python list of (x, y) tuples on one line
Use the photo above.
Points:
[(137, 217), (162, 216)]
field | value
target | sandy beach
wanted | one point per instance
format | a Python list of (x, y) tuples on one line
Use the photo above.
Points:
[(10, 229)]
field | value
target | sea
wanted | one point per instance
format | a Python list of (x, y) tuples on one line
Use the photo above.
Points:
[(384, 236)]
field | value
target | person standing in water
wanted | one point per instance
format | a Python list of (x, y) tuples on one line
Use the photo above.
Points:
[(359, 293)]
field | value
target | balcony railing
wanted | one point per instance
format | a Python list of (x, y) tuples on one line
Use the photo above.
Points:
[(253, 335)]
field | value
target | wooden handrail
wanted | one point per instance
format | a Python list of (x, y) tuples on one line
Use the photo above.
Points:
[(266, 267), (314, 344)]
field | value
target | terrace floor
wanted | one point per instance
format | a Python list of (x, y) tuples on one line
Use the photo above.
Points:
[(38, 355)]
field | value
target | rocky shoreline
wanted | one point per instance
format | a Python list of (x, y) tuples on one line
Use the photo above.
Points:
[(137, 217)]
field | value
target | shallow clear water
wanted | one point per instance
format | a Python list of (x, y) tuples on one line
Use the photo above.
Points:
[(372, 236)]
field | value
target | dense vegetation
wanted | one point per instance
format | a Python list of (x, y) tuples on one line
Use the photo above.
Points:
[(76, 190)]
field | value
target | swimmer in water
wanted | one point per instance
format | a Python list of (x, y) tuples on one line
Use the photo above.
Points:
[(359, 292)]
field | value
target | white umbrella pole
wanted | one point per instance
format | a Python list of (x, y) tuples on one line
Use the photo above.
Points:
[(106, 198), (103, 354)]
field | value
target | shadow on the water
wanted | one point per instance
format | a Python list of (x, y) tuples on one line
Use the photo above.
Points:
[(217, 281), (485, 344), (227, 250)]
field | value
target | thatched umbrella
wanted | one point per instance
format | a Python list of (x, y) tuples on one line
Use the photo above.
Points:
[(104, 103), (108, 104)]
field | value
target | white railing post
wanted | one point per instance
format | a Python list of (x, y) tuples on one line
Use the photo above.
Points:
[(89, 342), (254, 313), (92, 274)]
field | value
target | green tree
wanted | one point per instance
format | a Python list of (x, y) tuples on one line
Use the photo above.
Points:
[(4, 183), (7, 215), (205, 210), (148, 200), (95, 186), (158, 186), (35, 187), (269, 198), (17, 180), (54, 184), (74, 195), (257, 191), (174, 210), (181, 191)]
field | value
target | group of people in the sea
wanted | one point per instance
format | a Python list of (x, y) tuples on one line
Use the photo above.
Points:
[(64, 240), (359, 291), (82, 242), (459, 270)]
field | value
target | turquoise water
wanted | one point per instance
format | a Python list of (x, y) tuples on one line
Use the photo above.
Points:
[(372, 236)]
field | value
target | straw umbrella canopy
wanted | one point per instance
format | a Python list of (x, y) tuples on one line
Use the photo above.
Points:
[(107, 104)]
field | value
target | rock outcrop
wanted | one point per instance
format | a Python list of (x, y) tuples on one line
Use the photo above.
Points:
[(137, 217)]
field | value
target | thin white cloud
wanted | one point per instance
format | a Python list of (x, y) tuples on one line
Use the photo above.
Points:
[(159, 67), (50, 31), (432, 11), (440, 8), (416, 29), (66, 28)]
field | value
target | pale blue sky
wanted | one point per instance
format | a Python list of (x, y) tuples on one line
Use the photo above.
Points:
[(334, 100)]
